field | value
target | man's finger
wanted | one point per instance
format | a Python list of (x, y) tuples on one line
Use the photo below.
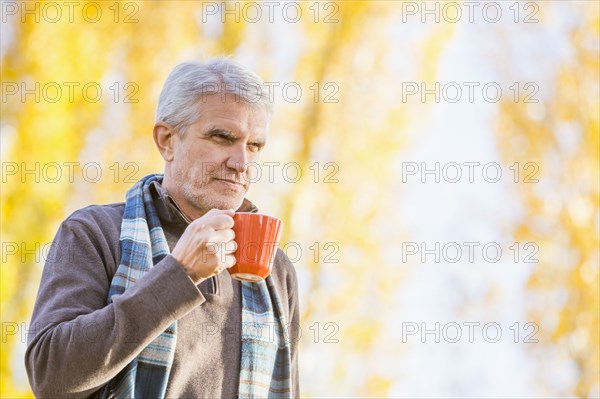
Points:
[(222, 236), (229, 261), (220, 222), (212, 247), (230, 247), (216, 211)]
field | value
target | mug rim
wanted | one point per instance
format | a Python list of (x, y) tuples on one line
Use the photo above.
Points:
[(256, 214)]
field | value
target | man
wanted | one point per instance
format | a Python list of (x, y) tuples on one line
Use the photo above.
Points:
[(135, 300)]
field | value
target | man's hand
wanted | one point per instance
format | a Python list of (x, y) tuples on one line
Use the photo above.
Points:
[(206, 247)]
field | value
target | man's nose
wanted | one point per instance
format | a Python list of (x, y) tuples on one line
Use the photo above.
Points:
[(238, 159)]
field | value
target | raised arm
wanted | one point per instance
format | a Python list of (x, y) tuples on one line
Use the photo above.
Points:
[(77, 342)]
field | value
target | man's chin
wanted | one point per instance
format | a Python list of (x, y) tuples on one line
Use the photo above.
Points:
[(226, 203)]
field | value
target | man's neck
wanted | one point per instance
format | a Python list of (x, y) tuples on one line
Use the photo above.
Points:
[(188, 212)]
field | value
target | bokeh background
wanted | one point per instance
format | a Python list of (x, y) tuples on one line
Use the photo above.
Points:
[(380, 314)]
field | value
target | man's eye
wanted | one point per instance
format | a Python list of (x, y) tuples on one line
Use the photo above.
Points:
[(254, 147), (221, 138)]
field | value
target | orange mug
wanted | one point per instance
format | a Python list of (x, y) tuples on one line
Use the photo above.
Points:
[(257, 237)]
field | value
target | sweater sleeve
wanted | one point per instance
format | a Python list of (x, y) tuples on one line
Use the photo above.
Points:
[(77, 342), (295, 318), (294, 323)]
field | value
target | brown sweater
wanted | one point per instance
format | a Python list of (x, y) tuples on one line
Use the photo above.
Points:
[(77, 343)]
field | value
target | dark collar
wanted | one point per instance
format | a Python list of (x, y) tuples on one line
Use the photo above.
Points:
[(169, 212)]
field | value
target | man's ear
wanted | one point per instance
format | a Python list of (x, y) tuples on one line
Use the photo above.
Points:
[(165, 138)]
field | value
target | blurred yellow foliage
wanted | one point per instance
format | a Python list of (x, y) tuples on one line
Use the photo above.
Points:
[(568, 201), (363, 130)]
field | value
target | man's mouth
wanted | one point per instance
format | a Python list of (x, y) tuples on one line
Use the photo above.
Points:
[(231, 183)]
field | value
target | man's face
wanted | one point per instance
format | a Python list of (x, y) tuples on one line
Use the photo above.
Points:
[(209, 166)]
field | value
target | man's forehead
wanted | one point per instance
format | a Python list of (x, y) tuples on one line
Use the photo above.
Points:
[(226, 101), (215, 109)]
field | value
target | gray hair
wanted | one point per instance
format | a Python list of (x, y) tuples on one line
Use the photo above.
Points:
[(189, 82)]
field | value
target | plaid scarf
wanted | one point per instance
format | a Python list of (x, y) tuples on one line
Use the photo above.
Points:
[(265, 369)]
